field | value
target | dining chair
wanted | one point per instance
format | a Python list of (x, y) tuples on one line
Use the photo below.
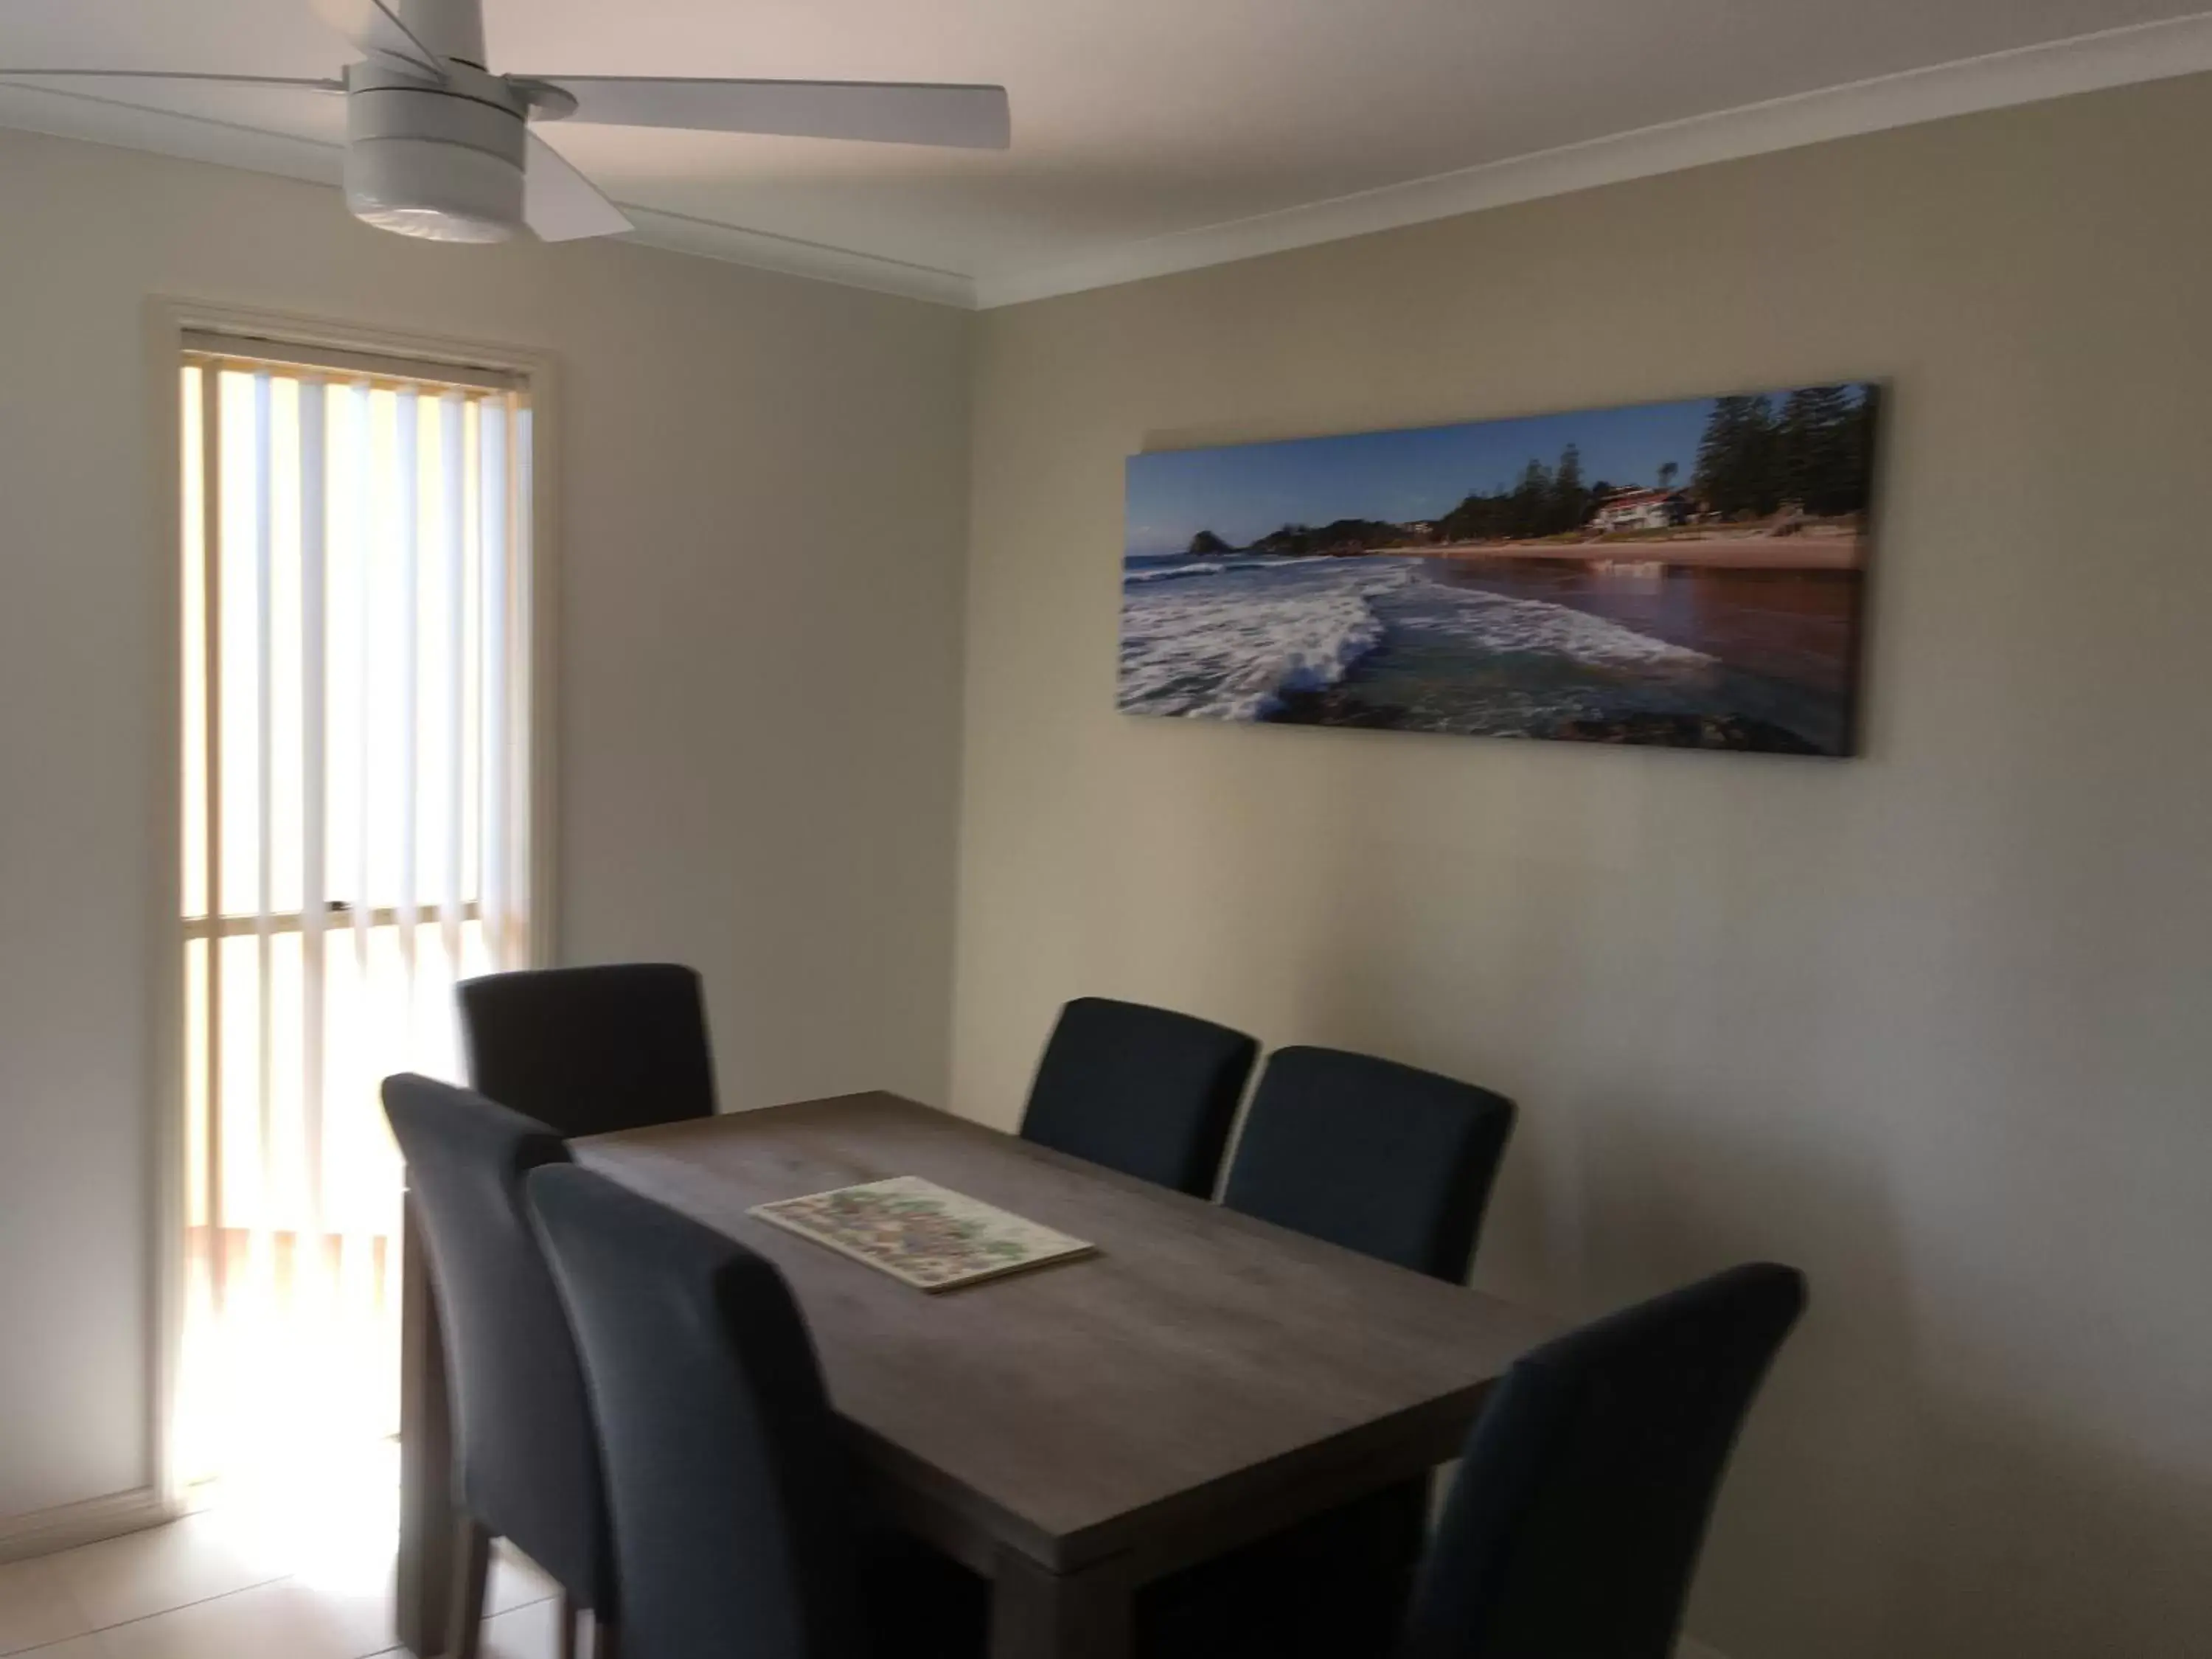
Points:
[(591, 1050), (1145, 1091), (1397, 1164), (527, 1464), (1583, 1498), (735, 1527), (1382, 1158)]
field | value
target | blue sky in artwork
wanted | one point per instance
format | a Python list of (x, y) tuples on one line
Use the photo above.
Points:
[(1243, 492)]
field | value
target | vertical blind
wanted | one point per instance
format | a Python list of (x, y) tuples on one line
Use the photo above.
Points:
[(356, 708)]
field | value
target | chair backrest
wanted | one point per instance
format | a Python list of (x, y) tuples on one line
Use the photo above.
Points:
[(1145, 1091), (528, 1465), (733, 1532), (1575, 1522), (591, 1050), (1379, 1157)]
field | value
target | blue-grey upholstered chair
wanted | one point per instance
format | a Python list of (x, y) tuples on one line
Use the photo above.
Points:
[(1575, 1523), (1145, 1091), (734, 1525), (526, 1462), (1380, 1157), (591, 1050), (1397, 1164)]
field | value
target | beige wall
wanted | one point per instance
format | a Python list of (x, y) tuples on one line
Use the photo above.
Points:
[(1933, 1024), (761, 498), (1929, 1023)]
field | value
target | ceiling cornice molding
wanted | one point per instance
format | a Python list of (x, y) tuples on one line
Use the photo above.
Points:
[(2089, 63), (192, 137), (712, 240), (196, 138)]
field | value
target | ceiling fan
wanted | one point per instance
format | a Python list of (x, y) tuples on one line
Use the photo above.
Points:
[(439, 146)]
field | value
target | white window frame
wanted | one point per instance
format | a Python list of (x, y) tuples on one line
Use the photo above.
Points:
[(344, 345)]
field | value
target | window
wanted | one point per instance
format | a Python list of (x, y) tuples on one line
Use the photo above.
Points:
[(356, 830)]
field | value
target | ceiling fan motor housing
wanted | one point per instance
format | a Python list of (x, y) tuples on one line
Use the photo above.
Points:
[(440, 161)]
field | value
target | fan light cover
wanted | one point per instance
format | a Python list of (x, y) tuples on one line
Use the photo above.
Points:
[(426, 161), (445, 192)]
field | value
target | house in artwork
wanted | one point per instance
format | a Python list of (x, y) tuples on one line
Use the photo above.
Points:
[(1641, 509)]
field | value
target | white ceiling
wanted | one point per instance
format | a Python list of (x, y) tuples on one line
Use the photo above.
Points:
[(1140, 126)]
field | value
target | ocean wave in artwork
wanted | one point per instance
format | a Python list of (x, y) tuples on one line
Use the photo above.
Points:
[(1494, 621), (1231, 644), (1138, 575), (1230, 639)]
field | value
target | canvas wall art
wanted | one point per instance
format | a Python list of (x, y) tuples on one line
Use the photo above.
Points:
[(1689, 574)]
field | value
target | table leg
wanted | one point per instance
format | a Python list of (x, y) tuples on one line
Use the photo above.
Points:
[(427, 1537), (1037, 1614)]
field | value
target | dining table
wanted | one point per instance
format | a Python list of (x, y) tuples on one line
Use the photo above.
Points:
[(1072, 1431)]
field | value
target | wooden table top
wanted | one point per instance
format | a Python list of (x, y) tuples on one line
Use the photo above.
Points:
[(1200, 1362)]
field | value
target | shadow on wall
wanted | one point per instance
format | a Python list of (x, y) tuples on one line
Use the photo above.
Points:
[(1745, 1018), (1737, 1064), (1829, 1449), (2098, 1550), (1875, 1506)]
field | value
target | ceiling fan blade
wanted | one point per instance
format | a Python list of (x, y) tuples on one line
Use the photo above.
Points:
[(561, 205), (879, 111), (177, 75), (378, 33)]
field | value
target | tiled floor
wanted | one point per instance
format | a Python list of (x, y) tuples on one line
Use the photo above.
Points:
[(247, 1582)]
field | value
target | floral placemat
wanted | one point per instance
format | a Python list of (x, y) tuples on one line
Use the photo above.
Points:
[(927, 1234)]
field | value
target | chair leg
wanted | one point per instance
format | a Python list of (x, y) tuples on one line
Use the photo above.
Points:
[(569, 1617), (471, 1568)]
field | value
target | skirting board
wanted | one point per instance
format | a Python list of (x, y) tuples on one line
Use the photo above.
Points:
[(67, 1525), (1690, 1648)]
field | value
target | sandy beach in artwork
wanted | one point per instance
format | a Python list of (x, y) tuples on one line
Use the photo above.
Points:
[(1819, 547)]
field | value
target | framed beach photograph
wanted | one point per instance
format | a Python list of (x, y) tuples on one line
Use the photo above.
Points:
[(1688, 574)]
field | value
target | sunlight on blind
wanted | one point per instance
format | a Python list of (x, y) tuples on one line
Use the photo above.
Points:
[(355, 712)]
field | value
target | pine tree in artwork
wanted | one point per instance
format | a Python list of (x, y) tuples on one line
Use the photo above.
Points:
[(1738, 472), (1532, 499), (1821, 440), (1570, 501)]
